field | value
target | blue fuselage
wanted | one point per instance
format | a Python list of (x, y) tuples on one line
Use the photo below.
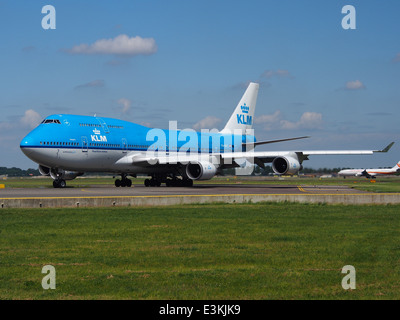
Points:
[(84, 143)]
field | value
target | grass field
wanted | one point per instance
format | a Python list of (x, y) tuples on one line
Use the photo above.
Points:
[(243, 251)]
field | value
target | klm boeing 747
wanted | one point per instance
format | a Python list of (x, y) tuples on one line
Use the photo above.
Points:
[(66, 146)]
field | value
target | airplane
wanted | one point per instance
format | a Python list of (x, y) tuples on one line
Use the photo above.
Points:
[(66, 146), (370, 173)]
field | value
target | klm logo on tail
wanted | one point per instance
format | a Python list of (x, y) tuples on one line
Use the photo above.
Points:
[(244, 119)]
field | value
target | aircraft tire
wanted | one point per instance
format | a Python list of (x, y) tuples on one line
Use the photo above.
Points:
[(188, 183), (117, 183), (62, 184), (59, 183)]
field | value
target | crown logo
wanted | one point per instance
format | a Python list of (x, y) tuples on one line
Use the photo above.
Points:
[(96, 131), (245, 109)]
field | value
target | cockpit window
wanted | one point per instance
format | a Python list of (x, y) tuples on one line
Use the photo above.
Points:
[(51, 121)]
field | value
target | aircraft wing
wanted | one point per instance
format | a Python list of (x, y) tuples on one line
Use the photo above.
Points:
[(228, 159), (152, 158), (269, 156)]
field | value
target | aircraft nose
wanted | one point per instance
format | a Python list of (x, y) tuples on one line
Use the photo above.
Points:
[(26, 144), (27, 141)]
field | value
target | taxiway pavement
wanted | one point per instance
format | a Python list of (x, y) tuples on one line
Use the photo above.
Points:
[(198, 189)]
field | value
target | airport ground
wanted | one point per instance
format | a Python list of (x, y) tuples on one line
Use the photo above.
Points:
[(381, 184), (208, 251)]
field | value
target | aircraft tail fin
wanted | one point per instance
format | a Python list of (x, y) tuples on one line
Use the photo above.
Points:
[(396, 167), (243, 116)]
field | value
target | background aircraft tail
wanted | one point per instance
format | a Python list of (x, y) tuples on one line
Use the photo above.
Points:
[(396, 167), (243, 116)]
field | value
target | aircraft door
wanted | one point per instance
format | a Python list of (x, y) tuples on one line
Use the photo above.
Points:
[(124, 146), (84, 144), (104, 125)]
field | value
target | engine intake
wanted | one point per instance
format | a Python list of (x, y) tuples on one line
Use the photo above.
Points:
[(44, 171), (286, 165), (202, 170)]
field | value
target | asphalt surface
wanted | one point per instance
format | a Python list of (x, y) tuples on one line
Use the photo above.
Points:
[(198, 189)]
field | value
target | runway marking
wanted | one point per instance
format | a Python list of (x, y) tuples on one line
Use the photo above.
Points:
[(310, 189), (301, 189), (89, 191)]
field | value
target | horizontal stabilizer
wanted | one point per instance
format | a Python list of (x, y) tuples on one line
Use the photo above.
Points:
[(257, 143)]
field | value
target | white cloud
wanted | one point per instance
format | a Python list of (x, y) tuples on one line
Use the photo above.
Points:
[(354, 85), (275, 121), (308, 120), (270, 121), (31, 119), (120, 45), (126, 105), (209, 122)]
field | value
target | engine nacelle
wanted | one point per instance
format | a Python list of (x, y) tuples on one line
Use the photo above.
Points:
[(201, 170), (64, 175), (286, 165), (44, 171)]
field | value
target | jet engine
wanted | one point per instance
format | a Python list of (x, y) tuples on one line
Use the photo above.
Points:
[(44, 171), (286, 165), (200, 170), (64, 175), (58, 173)]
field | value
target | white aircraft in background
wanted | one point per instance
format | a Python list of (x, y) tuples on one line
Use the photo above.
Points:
[(370, 173)]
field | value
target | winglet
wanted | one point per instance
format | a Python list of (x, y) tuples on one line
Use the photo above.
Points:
[(387, 148)]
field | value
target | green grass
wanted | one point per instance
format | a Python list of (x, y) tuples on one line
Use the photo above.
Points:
[(262, 251)]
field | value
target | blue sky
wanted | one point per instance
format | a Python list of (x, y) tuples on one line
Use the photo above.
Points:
[(154, 61)]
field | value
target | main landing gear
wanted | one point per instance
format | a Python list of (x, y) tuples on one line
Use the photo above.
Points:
[(155, 181), (124, 182), (174, 182), (59, 183), (152, 182)]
